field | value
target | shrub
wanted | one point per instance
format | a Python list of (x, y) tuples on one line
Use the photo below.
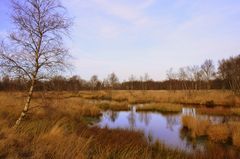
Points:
[(210, 104), (235, 129), (197, 127), (188, 122), (161, 107), (201, 127), (218, 133), (236, 139)]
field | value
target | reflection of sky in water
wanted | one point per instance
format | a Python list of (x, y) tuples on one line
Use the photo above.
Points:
[(156, 126)]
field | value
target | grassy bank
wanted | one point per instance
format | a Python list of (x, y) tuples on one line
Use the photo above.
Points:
[(219, 111), (215, 97), (161, 107)]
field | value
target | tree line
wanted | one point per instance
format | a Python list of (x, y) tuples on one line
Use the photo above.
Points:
[(190, 78)]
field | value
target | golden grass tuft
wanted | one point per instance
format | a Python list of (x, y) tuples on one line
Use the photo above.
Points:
[(219, 97), (219, 111), (197, 127), (214, 111), (161, 107), (236, 138), (112, 105), (218, 133), (215, 132), (235, 132)]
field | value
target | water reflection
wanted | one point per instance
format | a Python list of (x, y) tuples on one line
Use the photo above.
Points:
[(113, 115), (144, 118), (189, 111), (131, 118), (156, 126), (171, 122)]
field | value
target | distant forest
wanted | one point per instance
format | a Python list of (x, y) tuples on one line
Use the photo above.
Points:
[(206, 76)]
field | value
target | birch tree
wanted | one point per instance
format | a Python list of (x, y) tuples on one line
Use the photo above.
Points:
[(35, 49)]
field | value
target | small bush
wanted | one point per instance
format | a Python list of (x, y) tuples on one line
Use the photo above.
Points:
[(236, 139), (210, 104), (161, 107), (235, 129), (188, 122), (117, 106), (218, 133), (197, 127)]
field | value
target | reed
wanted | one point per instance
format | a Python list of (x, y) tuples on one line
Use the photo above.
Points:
[(218, 133), (112, 105), (161, 107), (196, 126)]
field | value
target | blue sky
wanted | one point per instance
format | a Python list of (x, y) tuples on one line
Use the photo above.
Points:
[(138, 36)]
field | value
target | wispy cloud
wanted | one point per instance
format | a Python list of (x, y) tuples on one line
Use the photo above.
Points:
[(132, 13), (151, 35)]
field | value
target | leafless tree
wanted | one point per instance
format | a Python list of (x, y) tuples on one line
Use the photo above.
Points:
[(94, 81), (198, 76), (182, 76), (229, 71), (35, 48), (171, 77), (75, 83), (208, 71), (131, 79), (105, 83), (194, 76), (113, 80), (146, 79)]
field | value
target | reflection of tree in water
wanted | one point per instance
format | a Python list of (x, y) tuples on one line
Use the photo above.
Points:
[(219, 119), (144, 117), (131, 119), (113, 116), (191, 143), (185, 135), (171, 121)]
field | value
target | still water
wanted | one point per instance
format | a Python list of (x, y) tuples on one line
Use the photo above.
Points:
[(166, 128)]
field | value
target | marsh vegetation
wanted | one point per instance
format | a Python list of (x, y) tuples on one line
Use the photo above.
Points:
[(73, 125)]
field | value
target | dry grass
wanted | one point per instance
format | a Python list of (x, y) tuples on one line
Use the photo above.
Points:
[(218, 133), (223, 98), (236, 139), (112, 105), (215, 111), (56, 127), (196, 126), (235, 133), (161, 107), (219, 111), (235, 111), (215, 132)]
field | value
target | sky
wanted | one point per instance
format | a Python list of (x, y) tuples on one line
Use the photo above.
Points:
[(145, 36)]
